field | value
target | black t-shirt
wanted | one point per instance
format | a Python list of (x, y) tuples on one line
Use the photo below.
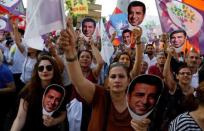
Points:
[(34, 121), (169, 107)]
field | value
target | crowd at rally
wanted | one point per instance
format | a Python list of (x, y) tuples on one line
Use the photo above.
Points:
[(167, 82)]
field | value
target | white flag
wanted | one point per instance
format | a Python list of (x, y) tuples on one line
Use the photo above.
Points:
[(44, 16), (106, 45)]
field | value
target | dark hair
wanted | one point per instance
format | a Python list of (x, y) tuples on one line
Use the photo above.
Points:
[(148, 45), (55, 87), (147, 79), (119, 64), (125, 31), (87, 19), (178, 31), (34, 85), (137, 3), (116, 59), (88, 51), (184, 65)]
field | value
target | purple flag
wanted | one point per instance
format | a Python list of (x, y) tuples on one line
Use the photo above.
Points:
[(177, 15), (4, 24)]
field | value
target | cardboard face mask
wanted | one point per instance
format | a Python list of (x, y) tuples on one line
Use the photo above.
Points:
[(143, 95), (52, 99)]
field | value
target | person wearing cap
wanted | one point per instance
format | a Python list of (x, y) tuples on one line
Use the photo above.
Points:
[(192, 120)]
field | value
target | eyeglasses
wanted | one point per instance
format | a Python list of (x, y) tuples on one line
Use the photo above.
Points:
[(48, 68), (183, 73)]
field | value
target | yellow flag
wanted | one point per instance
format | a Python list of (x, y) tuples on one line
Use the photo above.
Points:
[(79, 6)]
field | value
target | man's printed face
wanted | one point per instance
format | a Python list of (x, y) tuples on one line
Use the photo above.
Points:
[(88, 29), (136, 15), (178, 39), (143, 98), (52, 100)]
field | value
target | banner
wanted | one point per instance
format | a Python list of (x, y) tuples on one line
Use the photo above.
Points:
[(4, 24), (79, 6), (44, 16), (177, 15), (119, 22), (121, 7), (106, 45), (9, 4)]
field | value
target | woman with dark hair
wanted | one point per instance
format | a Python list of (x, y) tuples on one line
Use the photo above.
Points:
[(77, 102), (192, 121), (126, 58), (172, 102), (109, 108), (86, 58), (29, 117)]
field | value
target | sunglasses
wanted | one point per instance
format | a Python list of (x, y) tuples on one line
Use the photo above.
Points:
[(48, 68)]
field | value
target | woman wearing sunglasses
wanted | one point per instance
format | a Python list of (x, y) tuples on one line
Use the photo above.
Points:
[(109, 109), (29, 117)]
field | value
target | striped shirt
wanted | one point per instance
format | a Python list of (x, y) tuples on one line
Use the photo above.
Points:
[(184, 122)]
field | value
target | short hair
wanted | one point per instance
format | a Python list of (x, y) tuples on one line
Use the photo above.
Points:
[(55, 87), (137, 3), (184, 65), (88, 51), (147, 79), (149, 45), (87, 19), (178, 31), (125, 31)]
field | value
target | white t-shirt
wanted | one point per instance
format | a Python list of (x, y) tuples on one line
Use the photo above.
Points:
[(151, 62), (28, 66)]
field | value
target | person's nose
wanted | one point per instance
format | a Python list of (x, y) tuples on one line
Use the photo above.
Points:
[(134, 15), (144, 100)]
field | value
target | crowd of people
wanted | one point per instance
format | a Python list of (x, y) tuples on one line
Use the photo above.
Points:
[(67, 86)]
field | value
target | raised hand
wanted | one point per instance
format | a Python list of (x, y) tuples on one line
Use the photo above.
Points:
[(171, 51), (136, 35), (140, 125), (67, 38)]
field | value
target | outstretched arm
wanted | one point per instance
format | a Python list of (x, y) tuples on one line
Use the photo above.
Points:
[(138, 54), (99, 60), (167, 73), (17, 37), (83, 86)]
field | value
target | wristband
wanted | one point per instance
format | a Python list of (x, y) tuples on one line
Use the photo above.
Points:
[(71, 59)]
